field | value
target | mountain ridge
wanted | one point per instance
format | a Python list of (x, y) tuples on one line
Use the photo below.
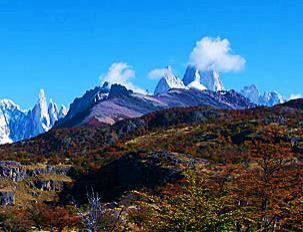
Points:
[(17, 124), (268, 98), (121, 103), (110, 102)]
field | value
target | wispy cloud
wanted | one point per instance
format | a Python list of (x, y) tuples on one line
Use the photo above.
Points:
[(121, 73), (215, 53), (157, 73)]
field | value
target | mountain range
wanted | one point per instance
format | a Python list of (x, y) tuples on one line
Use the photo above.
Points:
[(110, 102), (265, 99), (119, 103), (210, 80), (17, 124)]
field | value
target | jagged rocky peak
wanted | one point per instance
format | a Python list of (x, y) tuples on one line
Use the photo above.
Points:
[(86, 101), (252, 93), (43, 117), (8, 104), (4, 128), (271, 98), (17, 124), (106, 87), (266, 99), (53, 112), (168, 81), (40, 114), (42, 102), (209, 79), (118, 90), (103, 92), (196, 83)]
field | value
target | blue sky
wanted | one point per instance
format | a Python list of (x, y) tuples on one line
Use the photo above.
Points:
[(64, 46)]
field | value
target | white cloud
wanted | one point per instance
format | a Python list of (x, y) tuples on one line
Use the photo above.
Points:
[(215, 53), (121, 73), (157, 73), (295, 96)]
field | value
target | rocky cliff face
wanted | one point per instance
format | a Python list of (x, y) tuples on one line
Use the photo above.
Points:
[(209, 79)]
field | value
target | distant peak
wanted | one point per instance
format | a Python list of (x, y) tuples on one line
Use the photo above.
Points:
[(41, 94), (196, 83), (168, 81), (252, 86), (52, 105), (118, 90), (268, 98), (7, 103), (210, 79)]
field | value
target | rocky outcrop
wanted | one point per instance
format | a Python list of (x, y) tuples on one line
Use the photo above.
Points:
[(49, 185), (7, 197), (16, 172), (37, 177)]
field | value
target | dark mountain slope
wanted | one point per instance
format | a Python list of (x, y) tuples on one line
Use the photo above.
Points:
[(121, 103), (296, 104), (85, 140)]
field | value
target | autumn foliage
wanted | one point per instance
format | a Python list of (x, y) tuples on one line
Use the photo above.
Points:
[(239, 170)]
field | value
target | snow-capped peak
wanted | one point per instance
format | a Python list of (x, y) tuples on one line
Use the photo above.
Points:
[(40, 114), (209, 79), (271, 98), (252, 93), (196, 83), (42, 98), (42, 103), (267, 98), (168, 81), (17, 124), (8, 104), (53, 112)]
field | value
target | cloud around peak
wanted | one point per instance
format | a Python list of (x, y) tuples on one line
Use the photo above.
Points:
[(215, 53), (159, 72), (121, 73)]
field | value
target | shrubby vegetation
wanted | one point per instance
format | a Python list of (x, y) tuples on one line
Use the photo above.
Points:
[(263, 192), (233, 171)]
